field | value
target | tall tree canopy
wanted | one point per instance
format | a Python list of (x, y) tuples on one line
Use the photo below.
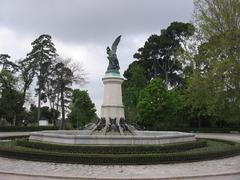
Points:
[(63, 80), (159, 56), (213, 89), (134, 83), (41, 58), (10, 96), (217, 70), (215, 17), (63, 74), (8, 67)]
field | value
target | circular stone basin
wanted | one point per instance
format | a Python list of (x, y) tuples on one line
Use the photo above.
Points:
[(83, 137)]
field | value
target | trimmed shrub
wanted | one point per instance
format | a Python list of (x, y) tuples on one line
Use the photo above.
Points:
[(100, 149), (187, 156), (25, 128), (202, 130)]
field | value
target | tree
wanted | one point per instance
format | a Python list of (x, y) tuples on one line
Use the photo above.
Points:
[(215, 17), (134, 83), (214, 86), (218, 67), (196, 99), (27, 73), (159, 56), (67, 73), (8, 67), (10, 105), (63, 80), (157, 105), (49, 114), (41, 58), (82, 109), (10, 98)]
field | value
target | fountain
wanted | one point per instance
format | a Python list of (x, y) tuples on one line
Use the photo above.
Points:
[(112, 129)]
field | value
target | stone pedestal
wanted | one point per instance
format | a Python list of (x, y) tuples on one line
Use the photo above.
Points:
[(112, 110)]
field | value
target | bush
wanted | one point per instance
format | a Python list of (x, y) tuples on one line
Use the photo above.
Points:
[(187, 156), (25, 128), (90, 149)]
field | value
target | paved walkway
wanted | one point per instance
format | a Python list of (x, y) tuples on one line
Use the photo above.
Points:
[(7, 134), (225, 136), (228, 168)]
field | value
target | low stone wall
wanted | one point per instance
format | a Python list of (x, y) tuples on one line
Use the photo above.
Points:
[(141, 138)]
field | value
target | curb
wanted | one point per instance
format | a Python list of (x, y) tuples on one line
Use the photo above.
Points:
[(24, 175)]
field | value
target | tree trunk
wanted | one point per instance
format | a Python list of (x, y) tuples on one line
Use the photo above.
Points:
[(166, 80), (39, 91), (14, 120), (63, 111), (199, 123), (57, 108), (39, 106)]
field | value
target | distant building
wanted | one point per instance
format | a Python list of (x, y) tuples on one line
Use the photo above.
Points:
[(43, 122)]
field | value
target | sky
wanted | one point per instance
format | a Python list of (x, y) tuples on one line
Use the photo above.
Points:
[(82, 29)]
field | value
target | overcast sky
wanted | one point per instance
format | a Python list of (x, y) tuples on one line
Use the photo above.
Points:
[(82, 29)]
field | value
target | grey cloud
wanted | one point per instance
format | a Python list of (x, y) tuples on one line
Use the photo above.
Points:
[(90, 22), (97, 21)]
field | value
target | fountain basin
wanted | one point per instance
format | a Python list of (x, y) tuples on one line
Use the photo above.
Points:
[(83, 137)]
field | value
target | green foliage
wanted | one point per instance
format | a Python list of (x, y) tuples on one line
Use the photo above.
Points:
[(196, 99), (158, 58), (50, 114), (215, 149), (160, 55), (214, 89), (212, 93), (55, 76), (157, 105), (41, 58), (10, 96), (27, 73), (25, 128), (63, 79), (82, 109), (13, 95), (9, 105), (215, 17), (134, 83), (200, 130)]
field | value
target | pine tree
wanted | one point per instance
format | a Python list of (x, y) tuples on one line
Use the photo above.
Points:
[(41, 58), (159, 56)]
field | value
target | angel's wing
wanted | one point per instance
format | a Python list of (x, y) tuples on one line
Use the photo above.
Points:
[(115, 44)]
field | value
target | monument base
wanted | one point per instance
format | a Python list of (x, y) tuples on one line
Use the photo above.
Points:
[(112, 110)]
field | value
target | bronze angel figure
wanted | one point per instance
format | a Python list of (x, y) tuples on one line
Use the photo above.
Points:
[(113, 65)]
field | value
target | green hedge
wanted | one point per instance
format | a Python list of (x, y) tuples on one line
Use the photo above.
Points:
[(41, 128), (136, 149), (120, 158), (23, 128), (202, 130)]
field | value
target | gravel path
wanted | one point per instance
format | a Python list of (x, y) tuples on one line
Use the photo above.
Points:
[(228, 168)]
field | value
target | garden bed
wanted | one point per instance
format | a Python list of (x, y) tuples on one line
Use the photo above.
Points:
[(203, 149)]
